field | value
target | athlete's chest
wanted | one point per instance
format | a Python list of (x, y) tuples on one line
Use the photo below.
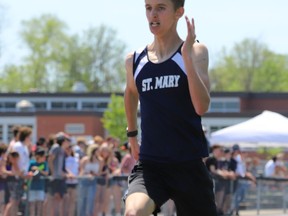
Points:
[(155, 77)]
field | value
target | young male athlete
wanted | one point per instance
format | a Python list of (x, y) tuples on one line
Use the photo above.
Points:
[(170, 78)]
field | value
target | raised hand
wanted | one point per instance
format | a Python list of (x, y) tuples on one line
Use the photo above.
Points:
[(190, 39)]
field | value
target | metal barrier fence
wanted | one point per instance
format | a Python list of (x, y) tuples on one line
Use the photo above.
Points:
[(271, 193), (268, 193), (80, 196)]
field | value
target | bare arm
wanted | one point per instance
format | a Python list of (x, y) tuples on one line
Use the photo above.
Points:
[(83, 162), (43, 172), (50, 163), (3, 166), (196, 60), (131, 98)]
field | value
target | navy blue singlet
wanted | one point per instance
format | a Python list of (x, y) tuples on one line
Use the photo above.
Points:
[(171, 129)]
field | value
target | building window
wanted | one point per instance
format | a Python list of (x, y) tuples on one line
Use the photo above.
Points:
[(8, 106), (10, 132), (94, 105), (1, 132), (89, 106), (64, 106), (40, 105), (224, 105), (57, 105), (71, 106), (102, 105)]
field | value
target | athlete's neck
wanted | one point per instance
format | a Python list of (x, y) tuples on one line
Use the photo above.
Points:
[(162, 48)]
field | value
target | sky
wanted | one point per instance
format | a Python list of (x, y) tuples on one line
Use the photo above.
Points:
[(219, 24)]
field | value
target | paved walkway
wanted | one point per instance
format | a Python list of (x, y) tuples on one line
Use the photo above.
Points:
[(273, 212)]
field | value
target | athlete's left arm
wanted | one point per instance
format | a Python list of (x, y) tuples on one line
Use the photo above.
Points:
[(196, 60)]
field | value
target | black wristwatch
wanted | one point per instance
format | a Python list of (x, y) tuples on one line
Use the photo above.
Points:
[(132, 133)]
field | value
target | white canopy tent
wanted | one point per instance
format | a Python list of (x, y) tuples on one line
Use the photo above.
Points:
[(269, 129)]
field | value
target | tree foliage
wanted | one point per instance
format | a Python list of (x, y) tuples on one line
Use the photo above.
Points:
[(250, 66), (12, 79), (96, 59), (47, 42), (269, 152), (114, 118), (56, 60)]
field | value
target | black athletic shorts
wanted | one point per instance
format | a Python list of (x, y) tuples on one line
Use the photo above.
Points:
[(188, 184)]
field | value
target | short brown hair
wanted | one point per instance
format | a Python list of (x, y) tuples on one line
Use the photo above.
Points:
[(14, 154), (24, 132), (98, 139), (15, 130), (178, 3), (216, 146), (3, 148)]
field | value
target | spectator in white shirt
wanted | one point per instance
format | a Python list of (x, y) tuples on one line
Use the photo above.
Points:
[(22, 147), (275, 167), (270, 167)]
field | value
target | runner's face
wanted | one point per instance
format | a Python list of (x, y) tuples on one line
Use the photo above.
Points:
[(161, 16)]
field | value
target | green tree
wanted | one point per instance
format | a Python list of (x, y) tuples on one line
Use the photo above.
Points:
[(250, 66), (47, 42), (96, 59), (56, 60), (114, 118), (13, 79), (103, 65), (269, 152)]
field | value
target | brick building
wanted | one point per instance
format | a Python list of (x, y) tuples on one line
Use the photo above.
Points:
[(79, 114)]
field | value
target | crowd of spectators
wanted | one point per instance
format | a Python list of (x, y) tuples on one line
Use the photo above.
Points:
[(57, 177), (235, 171), (233, 174)]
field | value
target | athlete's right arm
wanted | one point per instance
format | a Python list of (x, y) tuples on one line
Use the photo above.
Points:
[(131, 98)]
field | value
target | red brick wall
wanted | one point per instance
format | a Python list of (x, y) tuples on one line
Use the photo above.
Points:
[(257, 104), (51, 124)]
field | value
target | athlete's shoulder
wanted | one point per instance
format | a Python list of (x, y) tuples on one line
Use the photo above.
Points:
[(129, 58), (133, 56), (200, 49), (139, 53)]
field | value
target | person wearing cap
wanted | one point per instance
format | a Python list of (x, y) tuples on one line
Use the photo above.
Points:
[(225, 164), (56, 162), (212, 164)]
